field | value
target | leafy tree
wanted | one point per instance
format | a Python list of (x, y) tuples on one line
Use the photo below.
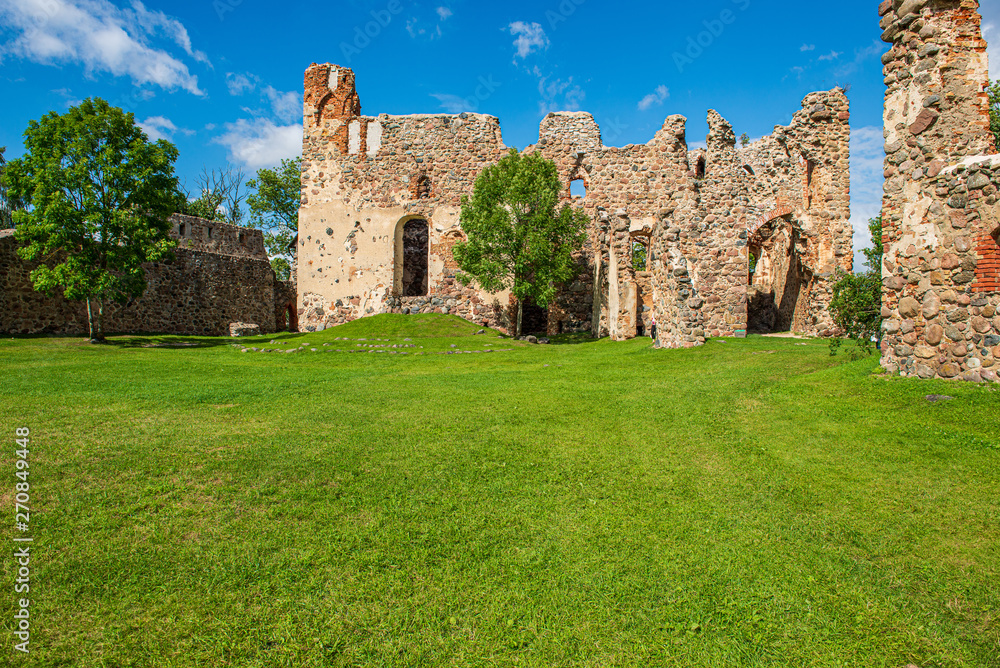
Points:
[(274, 208), (638, 256), (994, 93), (857, 298), (282, 268), (100, 195), (519, 239), (6, 217), (744, 139), (220, 198)]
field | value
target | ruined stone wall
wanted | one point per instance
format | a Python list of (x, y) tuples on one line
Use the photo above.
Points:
[(365, 178), (799, 214), (941, 215), (198, 292)]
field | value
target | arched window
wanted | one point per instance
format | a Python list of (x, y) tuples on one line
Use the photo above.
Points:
[(749, 170), (423, 187), (416, 248), (702, 168)]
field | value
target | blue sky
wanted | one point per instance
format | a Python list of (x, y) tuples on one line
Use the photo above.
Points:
[(222, 79)]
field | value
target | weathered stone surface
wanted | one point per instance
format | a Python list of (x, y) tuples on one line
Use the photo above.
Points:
[(938, 220), (220, 274), (698, 213), (909, 307), (924, 121), (243, 329)]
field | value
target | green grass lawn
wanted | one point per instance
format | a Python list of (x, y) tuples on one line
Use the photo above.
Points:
[(585, 503)]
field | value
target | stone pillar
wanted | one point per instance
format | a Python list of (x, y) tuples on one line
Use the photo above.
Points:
[(940, 204)]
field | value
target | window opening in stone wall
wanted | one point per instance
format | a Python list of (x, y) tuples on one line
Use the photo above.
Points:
[(182, 230), (424, 187), (640, 255), (810, 171), (702, 168), (415, 258), (749, 170), (209, 232), (578, 189)]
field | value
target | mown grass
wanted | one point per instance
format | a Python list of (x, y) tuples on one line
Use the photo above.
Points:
[(748, 503)]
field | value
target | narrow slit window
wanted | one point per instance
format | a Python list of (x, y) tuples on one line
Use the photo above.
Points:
[(578, 189), (702, 169)]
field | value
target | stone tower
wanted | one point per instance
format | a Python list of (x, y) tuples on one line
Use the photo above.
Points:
[(941, 217)]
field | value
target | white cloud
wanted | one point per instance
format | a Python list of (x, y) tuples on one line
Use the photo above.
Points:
[(161, 127), (445, 13), (808, 47), (453, 104), (656, 98), (102, 38), (558, 95), (992, 35), (261, 142), (833, 55), (531, 37), (158, 127), (867, 164), (286, 106), (238, 84)]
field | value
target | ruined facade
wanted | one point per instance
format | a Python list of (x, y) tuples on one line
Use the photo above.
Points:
[(381, 207), (941, 216), (220, 274)]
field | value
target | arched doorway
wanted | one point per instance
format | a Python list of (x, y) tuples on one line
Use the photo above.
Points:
[(411, 275)]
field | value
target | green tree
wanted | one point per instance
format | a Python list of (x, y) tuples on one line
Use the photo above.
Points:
[(639, 256), (99, 196), (274, 207), (519, 239), (6, 215), (994, 93), (745, 139), (857, 298)]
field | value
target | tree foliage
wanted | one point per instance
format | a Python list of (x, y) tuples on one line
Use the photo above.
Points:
[(99, 195), (519, 238), (857, 298), (274, 207), (639, 252), (8, 204), (994, 93)]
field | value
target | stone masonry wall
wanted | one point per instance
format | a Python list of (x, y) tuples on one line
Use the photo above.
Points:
[(210, 283), (365, 177), (941, 215)]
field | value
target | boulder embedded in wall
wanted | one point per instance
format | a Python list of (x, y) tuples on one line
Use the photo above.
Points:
[(243, 329), (924, 121), (909, 307)]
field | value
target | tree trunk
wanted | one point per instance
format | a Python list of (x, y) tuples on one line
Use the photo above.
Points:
[(520, 314), (90, 319), (100, 319)]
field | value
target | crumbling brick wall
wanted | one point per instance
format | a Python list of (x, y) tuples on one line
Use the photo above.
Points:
[(219, 274), (365, 177), (940, 208)]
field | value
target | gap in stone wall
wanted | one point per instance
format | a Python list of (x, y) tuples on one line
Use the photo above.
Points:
[(415, 258)]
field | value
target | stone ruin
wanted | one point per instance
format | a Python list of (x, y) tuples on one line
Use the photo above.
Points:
[(381, 211), (220, 274), (941, 215)]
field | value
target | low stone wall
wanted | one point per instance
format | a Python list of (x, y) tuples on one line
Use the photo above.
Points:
[(196, 293)]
